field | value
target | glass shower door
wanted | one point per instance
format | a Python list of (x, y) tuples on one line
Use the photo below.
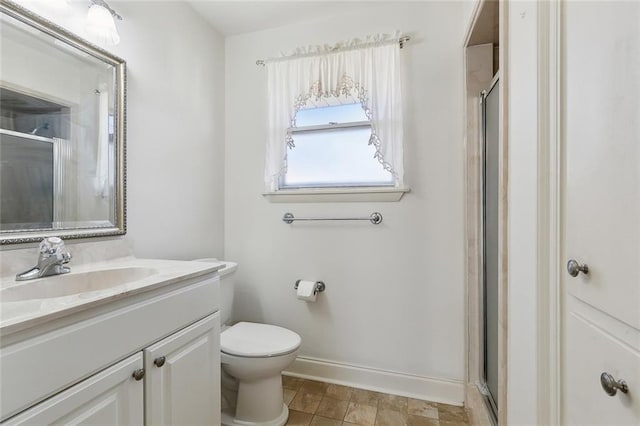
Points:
[(490, 140)]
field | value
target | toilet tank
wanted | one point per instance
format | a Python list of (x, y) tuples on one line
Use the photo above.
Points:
[(227, 284)]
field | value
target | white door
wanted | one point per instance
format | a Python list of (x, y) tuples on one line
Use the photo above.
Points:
[(600, 123), (111, 397), (182, 382)]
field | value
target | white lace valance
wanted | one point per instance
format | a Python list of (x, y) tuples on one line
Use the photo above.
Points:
[(367, 69)]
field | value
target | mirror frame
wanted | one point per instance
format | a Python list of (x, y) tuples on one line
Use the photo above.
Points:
[(120, 226)]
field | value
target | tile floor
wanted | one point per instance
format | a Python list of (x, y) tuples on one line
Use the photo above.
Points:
[(322, 404)]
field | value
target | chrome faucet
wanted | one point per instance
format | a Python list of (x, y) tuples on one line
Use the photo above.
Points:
[(50, 261)]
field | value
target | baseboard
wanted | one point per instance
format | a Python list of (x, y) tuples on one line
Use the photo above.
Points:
[(427, 388)]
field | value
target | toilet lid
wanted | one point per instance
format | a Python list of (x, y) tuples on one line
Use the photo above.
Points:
[(249, 339)]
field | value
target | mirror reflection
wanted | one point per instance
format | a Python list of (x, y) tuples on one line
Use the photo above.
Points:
[(61, 135)]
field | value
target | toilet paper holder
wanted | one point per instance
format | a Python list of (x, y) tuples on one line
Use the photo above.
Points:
[(320, 287)]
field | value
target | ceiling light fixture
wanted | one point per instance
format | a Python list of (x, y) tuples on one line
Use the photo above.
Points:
[(101, 26)]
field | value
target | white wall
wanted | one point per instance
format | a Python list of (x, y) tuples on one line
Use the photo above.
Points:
[(175, 126), (175, 130), (469, 7), (395, 292)]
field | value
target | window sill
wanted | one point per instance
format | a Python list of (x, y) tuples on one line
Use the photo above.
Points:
[(335, 195)]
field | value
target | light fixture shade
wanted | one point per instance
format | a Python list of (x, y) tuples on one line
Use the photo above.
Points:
[(101, 26)]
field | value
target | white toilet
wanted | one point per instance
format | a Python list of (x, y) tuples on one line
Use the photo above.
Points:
[(252, 357)]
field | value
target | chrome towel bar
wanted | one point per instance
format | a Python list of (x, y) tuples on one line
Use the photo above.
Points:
[(375, 218)]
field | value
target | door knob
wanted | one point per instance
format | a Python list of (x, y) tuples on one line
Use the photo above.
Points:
[(138, 374), (159, 362), (574, 268), (611, 385)]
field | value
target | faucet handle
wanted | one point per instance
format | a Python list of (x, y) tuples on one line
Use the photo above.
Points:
[(51, 246)]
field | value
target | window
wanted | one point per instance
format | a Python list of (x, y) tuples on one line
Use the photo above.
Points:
[(332, 149), (335, 119)]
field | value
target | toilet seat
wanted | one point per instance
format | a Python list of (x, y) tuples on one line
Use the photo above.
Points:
[(253, 340)]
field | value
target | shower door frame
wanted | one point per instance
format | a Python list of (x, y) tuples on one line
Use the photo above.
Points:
[(484, 389)]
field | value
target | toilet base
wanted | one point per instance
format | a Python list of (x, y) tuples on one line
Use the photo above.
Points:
[(228, 420)]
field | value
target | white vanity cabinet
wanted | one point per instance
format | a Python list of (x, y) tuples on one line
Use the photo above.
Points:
[(179, 378), (79, 369)]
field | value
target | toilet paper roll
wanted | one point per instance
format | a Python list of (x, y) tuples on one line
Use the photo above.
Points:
[(307, 290)]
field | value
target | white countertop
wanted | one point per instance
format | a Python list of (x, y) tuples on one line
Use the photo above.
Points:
[(22, 314)]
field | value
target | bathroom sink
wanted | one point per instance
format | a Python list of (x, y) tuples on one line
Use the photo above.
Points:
[(74, 283)]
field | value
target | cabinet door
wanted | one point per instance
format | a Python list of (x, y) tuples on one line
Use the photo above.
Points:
[(601, 224), (182, 385), (111, 397)]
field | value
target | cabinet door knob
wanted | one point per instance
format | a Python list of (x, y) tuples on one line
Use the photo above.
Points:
[(574, 268), (611, 385), (159, 362), (138, 374)]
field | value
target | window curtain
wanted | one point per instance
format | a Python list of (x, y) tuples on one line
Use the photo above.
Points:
[(369, 70)]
